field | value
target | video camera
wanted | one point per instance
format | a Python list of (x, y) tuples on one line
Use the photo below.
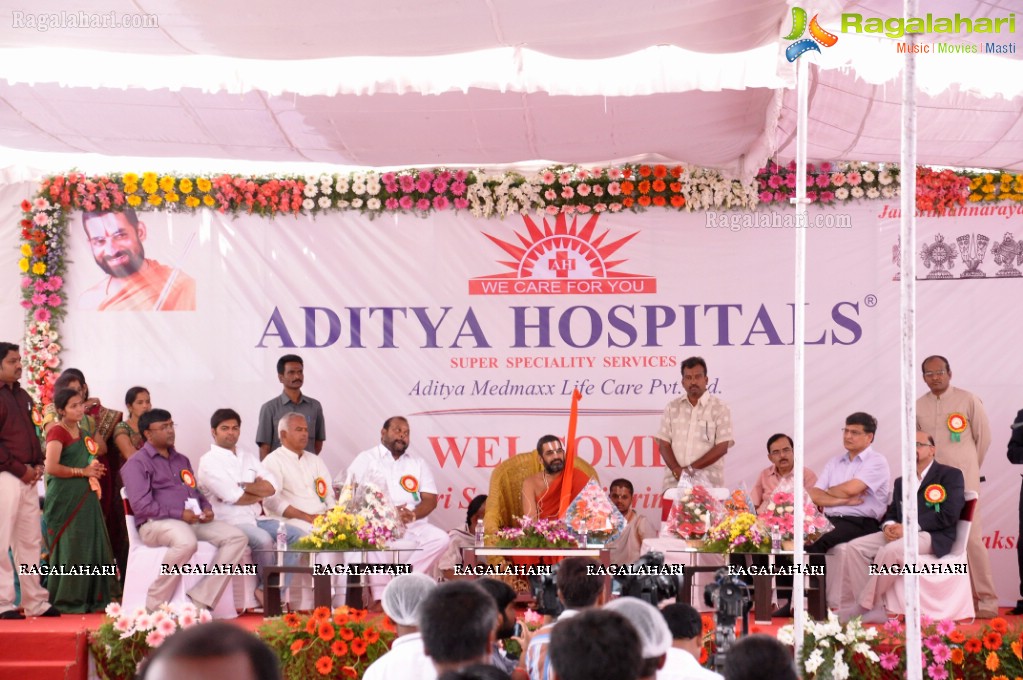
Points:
[(730, 598), (650, 588)]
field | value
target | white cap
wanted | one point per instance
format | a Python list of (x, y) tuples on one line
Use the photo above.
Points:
[(653, 631), (403, 595)]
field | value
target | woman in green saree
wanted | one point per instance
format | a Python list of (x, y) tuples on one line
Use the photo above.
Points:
[(76, 537)]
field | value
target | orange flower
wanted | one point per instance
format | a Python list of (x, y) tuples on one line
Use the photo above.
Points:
[(644, 171), (704, 655), (957, 657), (628, 187), (708, 622), (321, 613), (627, 172), (957, 636), (371, 635), (992, 641), (972, 646), (659, 185), (349, 672), (324, 665), (644, 187), (326, 631), (339, 648), (358, 646), (677, 201), (992, 662), (660, 171), (677, 171), (627, 202), (311, 625), (388, 625), (1017, 649), (292, 620), (297, 646), (644, 201), (346, 634), (999, 625), (676, 187), (660, 201), (341, 618)]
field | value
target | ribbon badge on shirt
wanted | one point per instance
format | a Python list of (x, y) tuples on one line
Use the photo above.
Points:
[(91, 446), (321, 488), (37, 416), (956, 425), (411, 484), (187, 478), (934, 496)]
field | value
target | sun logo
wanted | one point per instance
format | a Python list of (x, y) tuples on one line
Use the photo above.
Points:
[(562, 259), (817, 35)]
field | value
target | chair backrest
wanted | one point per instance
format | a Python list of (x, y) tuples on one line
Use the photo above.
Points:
[(668, 499), (504, 500), (129, 521), (963, 525)]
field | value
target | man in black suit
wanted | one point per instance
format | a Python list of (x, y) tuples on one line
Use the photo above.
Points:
[(1015, 454), (939, 513)]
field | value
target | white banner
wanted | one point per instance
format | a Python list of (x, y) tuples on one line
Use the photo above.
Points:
[(479, 330)]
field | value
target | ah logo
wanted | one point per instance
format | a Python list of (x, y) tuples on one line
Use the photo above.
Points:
[(817, 35), (560, 259)]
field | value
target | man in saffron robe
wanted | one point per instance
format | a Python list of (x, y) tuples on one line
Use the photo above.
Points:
[(541, 492), (133, 282)]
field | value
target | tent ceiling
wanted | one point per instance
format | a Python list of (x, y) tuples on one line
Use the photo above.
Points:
[(732, 110)]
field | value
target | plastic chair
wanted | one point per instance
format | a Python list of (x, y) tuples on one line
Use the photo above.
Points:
[(144, 566), (942, 596)]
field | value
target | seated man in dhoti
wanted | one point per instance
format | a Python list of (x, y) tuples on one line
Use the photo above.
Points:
[(541, 492)]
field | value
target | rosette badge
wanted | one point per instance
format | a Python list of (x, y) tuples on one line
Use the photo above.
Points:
[(321, 488), (956, 426), (93, 448), (37, 416), (934, 496), (187, 478), (411, 484)]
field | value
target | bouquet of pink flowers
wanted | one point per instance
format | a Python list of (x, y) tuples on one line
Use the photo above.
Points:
[(536, 533), (694, 512), (593, 512), (779, 515)]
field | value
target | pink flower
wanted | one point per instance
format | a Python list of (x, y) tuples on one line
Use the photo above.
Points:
[(825, 167), (889, 661), (925, 621), (597, 190), (941, 654), (774, 181), (600, 207), (766, 196), (154, 639), (552, 210), (41, 286), (936, 672), (407, 183), (205, 616), (405, 202), (423, 185), (583, 209), (568, 209), (567, 192), (391, 203), (56, 283), (461, 203), (827, 196), (565, 177), (52, 362), (791, 166), (27, 304), (614, 173), (838, 179), (461, 175), (615, 207), (790, 181), (854, 178), (779, 196), (547, 177), (445, 175), (123, 625), (54, 300), (166, 626), (550, 194), (441, 202), (187, 619), (423, 204), (439, 185), (823, 181), (582, 174), (614, 189), (932, 641), (38, 299), (583, 189), (427, 175), (26, 281), (811, 196), (945, 627), (388, 178)]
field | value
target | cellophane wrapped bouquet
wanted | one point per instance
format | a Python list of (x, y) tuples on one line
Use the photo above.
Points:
[(695, 510), (593, 512), (779, 515)]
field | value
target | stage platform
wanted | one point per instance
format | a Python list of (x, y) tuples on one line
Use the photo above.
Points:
[(57, 649)]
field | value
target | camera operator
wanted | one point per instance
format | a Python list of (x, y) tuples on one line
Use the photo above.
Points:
[(578, 590)]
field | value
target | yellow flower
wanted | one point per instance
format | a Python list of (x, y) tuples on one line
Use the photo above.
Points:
[(134, 201), (204, 184), (149, 176), (167, 183), (988, 188), (185, 185), (208, 201), (23, 264), (130, 188), (155, 200), (26, 250), (976, 197), (130, 178), (149, 186), (39, 268), (172, 197), (992, 663), (192, 202), (976, 182)]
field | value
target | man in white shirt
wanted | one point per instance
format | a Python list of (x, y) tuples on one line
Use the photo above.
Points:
[(410, 486), (305, 490), (406, 660), (686, 628), (236, 483)]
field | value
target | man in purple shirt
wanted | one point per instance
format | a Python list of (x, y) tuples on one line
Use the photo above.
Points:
[(21, 466), (853, 490), (170, 511)]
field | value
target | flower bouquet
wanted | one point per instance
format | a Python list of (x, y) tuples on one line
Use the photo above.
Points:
[(831, 651), (532, 621), (364, 518), (536, 533), (741, 532), (778, 515), (694, 510), (593, 513), (125, 639), (336, 529), (338, 644)]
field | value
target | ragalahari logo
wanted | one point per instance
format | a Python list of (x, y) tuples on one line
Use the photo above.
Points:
[(804, 45), (562, 260)]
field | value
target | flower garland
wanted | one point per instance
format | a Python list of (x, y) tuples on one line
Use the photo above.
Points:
[(560, 189)]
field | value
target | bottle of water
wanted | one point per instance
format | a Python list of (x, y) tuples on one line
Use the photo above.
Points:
[(775, 540), (479, 533), (282, 542), (584, 538)]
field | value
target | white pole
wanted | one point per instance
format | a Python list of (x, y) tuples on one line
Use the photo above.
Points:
[(798, 344), (907, 317)]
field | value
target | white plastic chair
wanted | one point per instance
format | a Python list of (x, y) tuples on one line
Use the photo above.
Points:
[(942, 596), (144, 566)]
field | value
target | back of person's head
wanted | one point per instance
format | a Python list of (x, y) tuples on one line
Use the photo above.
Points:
[(654, 635), (756, 657), (683, 621), (502, 593), (212, 651), (477, 671), (578, 584), (596, 644), (458, 621), (403, 597)]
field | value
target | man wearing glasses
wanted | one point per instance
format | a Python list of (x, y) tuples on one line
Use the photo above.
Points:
[(780, 453), (957, 421), (171, 511), (853, 490)]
